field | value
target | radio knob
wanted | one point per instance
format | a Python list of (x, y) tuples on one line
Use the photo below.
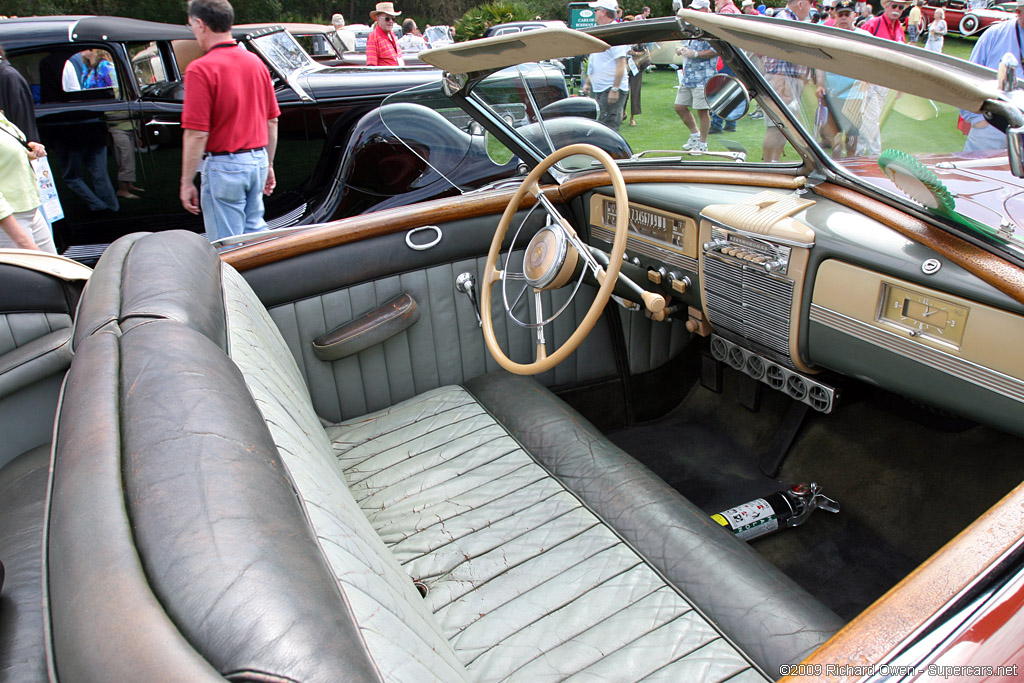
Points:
[(636, 261), (773, 266)]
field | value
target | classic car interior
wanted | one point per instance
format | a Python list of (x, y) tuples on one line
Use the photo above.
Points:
[(354, 448)]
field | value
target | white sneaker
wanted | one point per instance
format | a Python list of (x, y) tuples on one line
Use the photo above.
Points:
[(693, 142), (699, 147)]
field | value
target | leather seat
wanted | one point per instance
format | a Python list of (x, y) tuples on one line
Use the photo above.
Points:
[(22, 507), (479, 532)]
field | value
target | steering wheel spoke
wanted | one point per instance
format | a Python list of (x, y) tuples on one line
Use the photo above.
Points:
[(538, 316), (550, 261)]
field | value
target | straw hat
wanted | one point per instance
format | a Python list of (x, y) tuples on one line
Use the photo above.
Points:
[(387, 8)]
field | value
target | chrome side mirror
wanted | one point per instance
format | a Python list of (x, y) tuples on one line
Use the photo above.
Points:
[(727, 97)]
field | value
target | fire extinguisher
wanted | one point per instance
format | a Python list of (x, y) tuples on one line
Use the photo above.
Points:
[(780, 510)]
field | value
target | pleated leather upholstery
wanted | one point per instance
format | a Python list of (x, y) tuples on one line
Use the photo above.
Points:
[(523, 581), (526, 582), (400, 634)]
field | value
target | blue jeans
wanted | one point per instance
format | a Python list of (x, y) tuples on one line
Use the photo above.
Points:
[(231, 195), (91, 160)]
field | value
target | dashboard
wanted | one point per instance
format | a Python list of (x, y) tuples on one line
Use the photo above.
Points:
[(793, 288)]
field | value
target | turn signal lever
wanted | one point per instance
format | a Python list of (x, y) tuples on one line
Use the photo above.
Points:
[(654, 302)]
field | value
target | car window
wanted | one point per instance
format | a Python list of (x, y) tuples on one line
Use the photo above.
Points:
[(147, 64), (70, 74)]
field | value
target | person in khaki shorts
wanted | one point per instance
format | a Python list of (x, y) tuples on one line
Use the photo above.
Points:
[(699, 64)]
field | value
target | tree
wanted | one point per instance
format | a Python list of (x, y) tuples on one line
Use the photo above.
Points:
[(477, 20)]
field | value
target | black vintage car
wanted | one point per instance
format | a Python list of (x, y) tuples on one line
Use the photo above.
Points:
[(319, 105), (680, 416)]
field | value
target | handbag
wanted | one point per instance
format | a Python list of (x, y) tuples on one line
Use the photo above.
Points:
[(644, 60)]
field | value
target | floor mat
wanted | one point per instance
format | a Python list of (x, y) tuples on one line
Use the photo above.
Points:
[(907, 480)]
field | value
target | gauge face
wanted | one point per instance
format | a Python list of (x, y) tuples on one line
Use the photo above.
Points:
[(924, 315)]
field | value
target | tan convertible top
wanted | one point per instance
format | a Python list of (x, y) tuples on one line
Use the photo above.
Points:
[(499, 52), (858, 56)]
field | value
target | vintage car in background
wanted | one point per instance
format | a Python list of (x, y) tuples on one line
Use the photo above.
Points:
[(964, 18), (518, 26), (663, 53), (319, 105), (316, 453), (315, 39), (438, 35)]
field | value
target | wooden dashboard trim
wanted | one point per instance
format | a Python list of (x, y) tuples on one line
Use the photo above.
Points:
[(883, 626), (390, 221), (1001, 274), (369, 225), (579, 184)]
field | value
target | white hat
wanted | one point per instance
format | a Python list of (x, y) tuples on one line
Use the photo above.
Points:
[(747, 3), (613, 5), (387, 8), (700, 4), (338, 20)]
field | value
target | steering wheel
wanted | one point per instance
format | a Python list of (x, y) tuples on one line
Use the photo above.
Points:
[(551, 258)]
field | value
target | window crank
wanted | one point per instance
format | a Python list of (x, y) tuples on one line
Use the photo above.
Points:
[(466, 283)]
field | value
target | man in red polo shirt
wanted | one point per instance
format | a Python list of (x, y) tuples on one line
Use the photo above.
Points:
[(381, 47), (229, 126), (887, 24)]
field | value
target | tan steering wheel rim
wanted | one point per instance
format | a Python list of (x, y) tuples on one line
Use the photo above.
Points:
[(491, 273)]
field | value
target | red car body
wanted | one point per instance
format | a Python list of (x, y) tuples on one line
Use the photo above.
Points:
[(962, 19)]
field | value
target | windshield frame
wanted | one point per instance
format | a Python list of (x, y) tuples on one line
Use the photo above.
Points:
[(958, 83)]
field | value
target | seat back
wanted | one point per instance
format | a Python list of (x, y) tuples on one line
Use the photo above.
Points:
[(223, 547)]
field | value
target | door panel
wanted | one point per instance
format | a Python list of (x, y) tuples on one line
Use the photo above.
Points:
[(445, 347), (316, 292)]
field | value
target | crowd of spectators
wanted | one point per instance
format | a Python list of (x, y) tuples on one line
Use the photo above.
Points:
[(849, 111), (848, 116)]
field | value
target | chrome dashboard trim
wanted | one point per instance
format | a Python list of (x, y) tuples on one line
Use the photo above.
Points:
[(639, 245), (965, 370), (757, 235)]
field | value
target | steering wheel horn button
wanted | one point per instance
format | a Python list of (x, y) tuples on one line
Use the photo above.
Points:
[(546, 259)]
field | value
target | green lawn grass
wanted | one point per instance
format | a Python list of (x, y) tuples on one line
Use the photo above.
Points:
[(658, 127)]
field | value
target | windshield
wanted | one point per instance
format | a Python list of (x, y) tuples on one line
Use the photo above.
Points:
[(686, 102), (282, 52)]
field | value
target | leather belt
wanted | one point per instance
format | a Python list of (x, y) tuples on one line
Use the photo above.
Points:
[(240, 151)]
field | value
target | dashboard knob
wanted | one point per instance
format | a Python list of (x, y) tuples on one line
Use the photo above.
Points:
[(679, 284)]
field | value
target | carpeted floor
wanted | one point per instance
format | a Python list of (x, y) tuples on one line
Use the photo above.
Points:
[(907, 480)]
